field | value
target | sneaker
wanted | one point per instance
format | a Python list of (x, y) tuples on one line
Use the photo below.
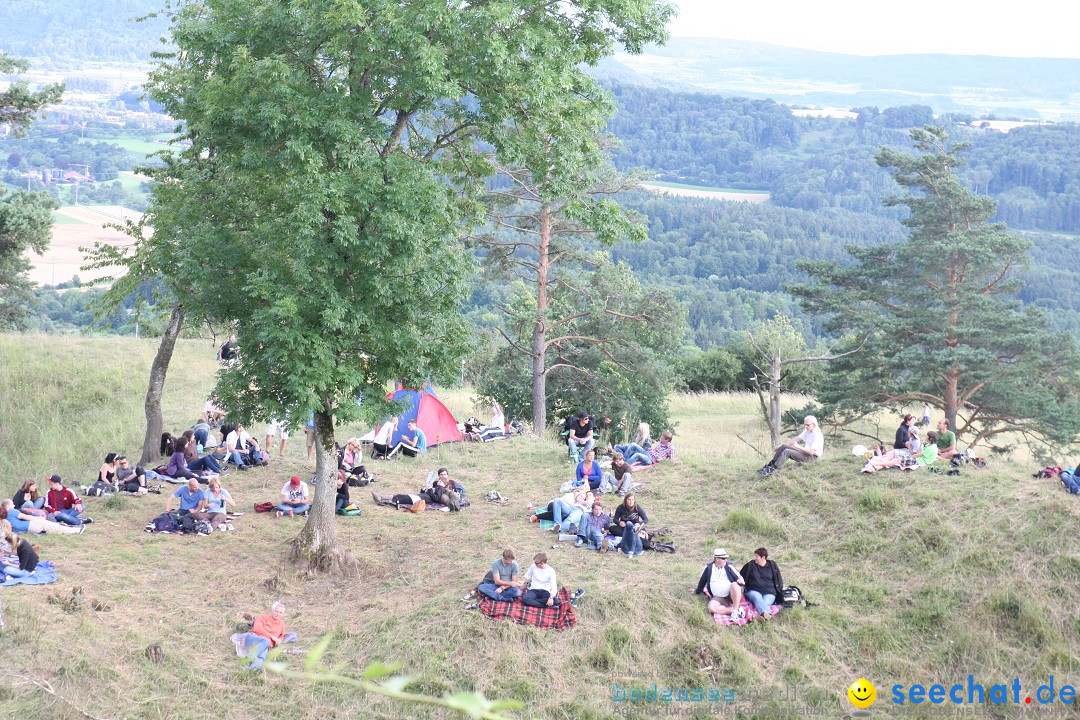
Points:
[(87, 521), (578, 543), (472, 606), (739, 614), (238, 643), (578, 593), (471, 594), (639, 553), (557, 528), (280, 514), (82, 529)]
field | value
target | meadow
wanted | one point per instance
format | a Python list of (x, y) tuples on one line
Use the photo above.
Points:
[(918, 578)]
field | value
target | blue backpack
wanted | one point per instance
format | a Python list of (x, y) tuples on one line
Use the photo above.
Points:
[(166, 522)]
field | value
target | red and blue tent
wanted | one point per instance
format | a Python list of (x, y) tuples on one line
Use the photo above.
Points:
[(432, 417)]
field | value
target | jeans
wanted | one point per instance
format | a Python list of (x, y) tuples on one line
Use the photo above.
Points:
[(631, 542), (205, 463), (200, 437), (258, 646), (593, 537), (788, 452), (339, 503), (763, 603), (580, 447), (68, 517), (36, 504), (560, 510), (12, 571), (297, 509), (1070, 481), (236, 459), (634, 454), (538, 598), (492, 591)]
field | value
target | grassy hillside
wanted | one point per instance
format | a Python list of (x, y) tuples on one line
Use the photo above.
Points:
[(919, 578)]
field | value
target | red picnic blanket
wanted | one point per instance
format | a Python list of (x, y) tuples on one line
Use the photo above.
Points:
[(560, 618)]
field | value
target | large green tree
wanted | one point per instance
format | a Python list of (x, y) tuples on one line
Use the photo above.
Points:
[(25, 218), (334, 162), (941, 310)]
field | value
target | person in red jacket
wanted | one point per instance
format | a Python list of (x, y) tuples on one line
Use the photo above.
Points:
[(65, 506)]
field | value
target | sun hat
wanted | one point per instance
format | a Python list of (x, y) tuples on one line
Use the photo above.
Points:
[(719, 553)]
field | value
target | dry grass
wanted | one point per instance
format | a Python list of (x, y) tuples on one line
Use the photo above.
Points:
[(919, 577)]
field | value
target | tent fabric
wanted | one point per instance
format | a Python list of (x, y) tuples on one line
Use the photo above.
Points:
[(432, 417)]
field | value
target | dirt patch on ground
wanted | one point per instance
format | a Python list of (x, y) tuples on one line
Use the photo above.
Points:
[(80, 226)]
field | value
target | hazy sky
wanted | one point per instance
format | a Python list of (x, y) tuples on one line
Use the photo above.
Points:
[(1028, 28)]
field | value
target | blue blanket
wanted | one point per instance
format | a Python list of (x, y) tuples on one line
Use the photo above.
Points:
[(44, 574)]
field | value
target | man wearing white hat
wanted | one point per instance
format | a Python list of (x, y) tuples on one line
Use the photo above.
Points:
[(813, 444), (723, 583)]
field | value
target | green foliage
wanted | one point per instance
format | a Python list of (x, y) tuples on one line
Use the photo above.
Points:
[(715, 370), (941, 311), (25, 226), (18, 103), (626, 379)]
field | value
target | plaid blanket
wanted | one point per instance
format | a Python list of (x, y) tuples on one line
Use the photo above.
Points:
[(751, 613), (560, 618)]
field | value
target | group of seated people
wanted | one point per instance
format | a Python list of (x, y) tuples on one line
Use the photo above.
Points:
[(440, 489), (759, 580), (909, 451), (473, 431), (210, 504), (537, 588), (59, 511), (412, 442)]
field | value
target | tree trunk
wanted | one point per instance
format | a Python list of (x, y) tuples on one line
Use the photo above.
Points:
[(316, 546), (775, 367), (952, 380), (151, 449), (539, 339)]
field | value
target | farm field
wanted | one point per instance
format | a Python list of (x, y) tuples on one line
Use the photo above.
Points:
[(77, 227), (918, 578)]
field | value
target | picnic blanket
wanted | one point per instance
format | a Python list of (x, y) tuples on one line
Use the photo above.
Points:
[(440, 506), (559, 618), (748, 608), (230, 517), (44, 574)]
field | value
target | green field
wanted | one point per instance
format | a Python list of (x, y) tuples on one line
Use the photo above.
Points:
[(138, 145), (62, 219), (919, 578)]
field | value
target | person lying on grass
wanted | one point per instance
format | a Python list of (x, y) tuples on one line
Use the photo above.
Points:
[(926, 455), (267, 631), (813, 444), (566, 511), (502, 582), (628, 519), (592, 528), (723, 584), (22, 522), (26, 557), (295, 498), (543, 588), (637, 455), (65, 506), (403, 501)]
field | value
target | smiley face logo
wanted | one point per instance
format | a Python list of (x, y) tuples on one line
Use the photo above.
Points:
[(862, 693)]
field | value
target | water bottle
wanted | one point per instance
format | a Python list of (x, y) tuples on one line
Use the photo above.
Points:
[(530, 508)]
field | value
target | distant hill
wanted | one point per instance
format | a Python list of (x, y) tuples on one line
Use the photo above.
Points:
[(1024, 87)]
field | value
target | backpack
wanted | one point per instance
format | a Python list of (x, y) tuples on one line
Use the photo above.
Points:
[(1048, 472), (793, 597), (203, 527), (98, 489), (350, 510), (166, 522), (264, 507), (187, 524)]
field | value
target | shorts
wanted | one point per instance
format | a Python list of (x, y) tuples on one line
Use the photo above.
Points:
[(310, 433), (276, 427)]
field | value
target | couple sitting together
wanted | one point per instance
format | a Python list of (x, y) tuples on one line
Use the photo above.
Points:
[(759, 579)]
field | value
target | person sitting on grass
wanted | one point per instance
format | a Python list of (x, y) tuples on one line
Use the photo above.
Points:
[(502, 582), (622, 471), (946, 440), (643, 436), (26, 557), (342, 499), (212, 414), (295, 499), (267, 631), (192, 500), (628, 519), (589, 470), (903, 435), (637, 455), (178, 467), (723, 585), (27, 497), (107, 472), (201, 433), (217, 501), (22, 522), (443, 477), (131, 479), (763, 582), (412, 443), (241, 448), (205, 464), (592, 528), (813, 445), (64, 505), (925, 455), (543, 588), (351, 456)]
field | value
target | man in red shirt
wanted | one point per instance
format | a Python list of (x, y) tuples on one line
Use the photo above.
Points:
[(64, 505)]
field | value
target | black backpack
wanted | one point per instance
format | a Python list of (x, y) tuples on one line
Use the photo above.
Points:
[(187, 524), (794, 597), (166, 522)]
